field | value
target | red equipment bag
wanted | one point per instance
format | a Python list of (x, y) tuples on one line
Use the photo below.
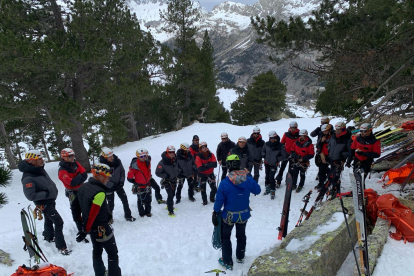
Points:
[(371, 207), (408, 125), (49, 270), (390, 208)]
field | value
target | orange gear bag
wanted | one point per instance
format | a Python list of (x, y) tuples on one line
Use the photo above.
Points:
[(49, 270), (408, 125), (391, 209), (371, 207)]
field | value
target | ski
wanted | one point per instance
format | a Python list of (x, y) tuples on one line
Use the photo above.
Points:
[(286, 206), (357, 180), (318, 199), (388, 133), (26, 238), (401, 144), (303, 210)]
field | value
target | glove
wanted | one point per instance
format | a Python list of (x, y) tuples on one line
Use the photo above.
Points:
[(215, 219), (162, 183), (360, 152), (81, 236), (135, 189)]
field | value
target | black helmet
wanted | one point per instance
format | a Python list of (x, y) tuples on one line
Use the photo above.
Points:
[(233, 162)]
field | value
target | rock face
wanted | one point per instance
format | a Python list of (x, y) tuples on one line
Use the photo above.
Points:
[(5, 258), (318, 247)]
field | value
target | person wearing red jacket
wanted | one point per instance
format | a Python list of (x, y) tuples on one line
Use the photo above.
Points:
[(206, 162), (364, 149), (301, 152), (72, 175), (322, 151), (288, 139)]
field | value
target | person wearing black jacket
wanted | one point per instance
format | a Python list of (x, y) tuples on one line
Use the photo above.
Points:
[(323, 154), (194, 149), (222, 152), (244, 154), (186, 168), (319, 133), (39, 188), (167, 170), (117, 182), (96, 214), (255, 144)]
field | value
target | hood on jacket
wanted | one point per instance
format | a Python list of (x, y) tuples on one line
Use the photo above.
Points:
[(273, 145), (114, 163), (25, 167), (167, 159), (97, 182), (257, 139), (181, 155), (304, 141), (70, 167), (238, 178)]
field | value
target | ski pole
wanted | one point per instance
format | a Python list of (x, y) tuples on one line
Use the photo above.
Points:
[(345, 212)]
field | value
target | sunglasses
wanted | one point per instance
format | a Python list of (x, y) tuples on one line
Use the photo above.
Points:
[(70, 156), (272, 138), (203, 147), (256, 133), (363, 131), (196, 140), (143, 156), (171, 152), (293, 127)]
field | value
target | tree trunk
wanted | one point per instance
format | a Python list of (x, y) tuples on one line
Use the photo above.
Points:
[(133, 127), (9, 155), (76, 136), (59, 137), (19, 154), (45, 147)]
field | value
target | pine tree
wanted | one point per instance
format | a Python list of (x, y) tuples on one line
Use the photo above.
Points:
[(5, 177)]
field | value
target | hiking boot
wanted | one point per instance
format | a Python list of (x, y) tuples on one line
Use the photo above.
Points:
[(191, 198), (272, 194), (267, 191), (149, 215), (197, 189), (299, 189), (142, 216), (178, 200), (161, 201), (171, 214), (278, 183), (240, 261), (205, 203), (65, 251), (294, 187), (166, 208), (212, 199), (49, 240), (111, 221), (131, 219), (227, 266)]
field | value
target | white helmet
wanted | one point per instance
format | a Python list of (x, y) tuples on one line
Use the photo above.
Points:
[(242, 139), (303, 132), (224, 135), (293, 124), (67, 152), (272, 134), (33, 154), (340, 125), (256, 130), (170, 149), (325, 120), (184, 146), (107, 152), (141, 151), (326, 127)]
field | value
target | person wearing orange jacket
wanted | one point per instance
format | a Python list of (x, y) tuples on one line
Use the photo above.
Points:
[(206, 162), (72, 175), (301, 152), (364, 149), (288, 139)]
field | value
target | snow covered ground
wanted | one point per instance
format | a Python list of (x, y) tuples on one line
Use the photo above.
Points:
[(227, 96), (161, 245)]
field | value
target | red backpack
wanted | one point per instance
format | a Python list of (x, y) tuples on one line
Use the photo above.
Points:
[(371, 207), (49, 270), (390, 208)]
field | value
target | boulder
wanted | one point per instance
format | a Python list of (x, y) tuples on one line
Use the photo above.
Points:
[(5, 258)]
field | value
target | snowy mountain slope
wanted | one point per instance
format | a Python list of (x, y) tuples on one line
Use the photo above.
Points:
[(179, 246)]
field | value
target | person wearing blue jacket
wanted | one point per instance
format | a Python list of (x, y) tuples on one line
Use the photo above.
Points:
[(234, 193)]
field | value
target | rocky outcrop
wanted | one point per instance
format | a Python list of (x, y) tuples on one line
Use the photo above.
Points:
[(5, 258)]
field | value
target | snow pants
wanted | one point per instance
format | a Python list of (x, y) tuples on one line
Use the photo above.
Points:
[(170, 188), (226, 242), (270, 172), (181, 181), (156, 188), (144, 202), (282, 169), (124, 199), (295, 170), (104, 239), (52, 217), (323, 173), (224, 174), (334, 176), (211, 180), (256, 170), (75, 208), (365, 165)]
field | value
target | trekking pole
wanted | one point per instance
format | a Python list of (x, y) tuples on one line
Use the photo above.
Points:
[(345, 212)]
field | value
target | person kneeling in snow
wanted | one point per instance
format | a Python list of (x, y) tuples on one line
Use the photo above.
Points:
[(96, 216), (234, 192)]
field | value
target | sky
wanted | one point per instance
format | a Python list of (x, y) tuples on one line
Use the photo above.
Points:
[(209, 4)]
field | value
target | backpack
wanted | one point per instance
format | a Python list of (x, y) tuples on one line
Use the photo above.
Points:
[(48, 270), (371, 206), (390, 208)]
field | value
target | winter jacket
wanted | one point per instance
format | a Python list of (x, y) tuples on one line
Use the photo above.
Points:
[(246, 158), (118, 174), (92, 200), (186, 164), (140, 172), (194, 149), (289, 139), (368, 147), (234, 192), (273, 153), (255, 146), (318, 132), (37, 185), (167, 168), (339, 146), (322, 147), (72, 174), (205, 163), (223, 150), (303, 150)]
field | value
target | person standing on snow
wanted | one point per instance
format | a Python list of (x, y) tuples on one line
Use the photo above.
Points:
[(339, 148), (364, 149), (244, 154), (288, 139), (187, 168), (222, 152), (255, 144), (39, 188), (96, 214), (167, 170), (206, 162), (322, 151), (234, 193), (194, 150), (319, 133), (273, 152), (118, 179), (72, 175), (301, 152)]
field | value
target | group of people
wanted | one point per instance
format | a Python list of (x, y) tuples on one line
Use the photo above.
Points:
[(92, 201)]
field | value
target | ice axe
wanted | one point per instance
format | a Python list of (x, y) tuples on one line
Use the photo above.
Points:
[(217, 271)]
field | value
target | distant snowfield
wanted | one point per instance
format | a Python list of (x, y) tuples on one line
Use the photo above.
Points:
[(227, 96), (181, 246)]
